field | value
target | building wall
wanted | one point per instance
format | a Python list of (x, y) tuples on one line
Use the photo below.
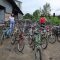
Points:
[(8, 10), (2, 16), (20, 16), (7, 16), (6, 5)]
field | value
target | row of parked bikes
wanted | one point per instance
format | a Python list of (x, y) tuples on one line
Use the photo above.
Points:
[(37, 41), (40, 40), (16, 37)]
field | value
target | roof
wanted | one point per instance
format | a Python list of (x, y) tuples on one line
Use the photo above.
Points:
[(18, 1), (16, 8), (1, 7)]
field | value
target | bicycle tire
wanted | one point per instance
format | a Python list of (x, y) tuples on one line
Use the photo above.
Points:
[(38, 55), (2, 39), (44, 43), (13, 40), (30, 41), (52, 39), (58, 38), (33, 46), (21, 47)]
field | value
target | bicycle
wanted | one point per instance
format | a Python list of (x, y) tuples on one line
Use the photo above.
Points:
[(37, 50), (37, 43), (43, 35), (18, 38), (38, 54), (43, 38), (5, 34), (51, 38), (52, 35), (31, 41)]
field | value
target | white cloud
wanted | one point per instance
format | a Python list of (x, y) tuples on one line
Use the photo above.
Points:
[(55, 6), (32, 5)]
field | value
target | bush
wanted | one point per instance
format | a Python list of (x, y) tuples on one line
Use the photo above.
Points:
[(55, 20)]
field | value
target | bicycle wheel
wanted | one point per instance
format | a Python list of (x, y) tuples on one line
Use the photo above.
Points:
[(58, 38), (30, 41), (52, 38), (33, 45), (2, 39), (38, 55), (21, 45), (13, 39), (44, 43)]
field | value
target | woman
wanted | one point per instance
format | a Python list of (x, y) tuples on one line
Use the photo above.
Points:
[(12, 22)]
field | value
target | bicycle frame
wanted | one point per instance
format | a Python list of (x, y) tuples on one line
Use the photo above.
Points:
[(40, 40), (37, 40), (6, 32)]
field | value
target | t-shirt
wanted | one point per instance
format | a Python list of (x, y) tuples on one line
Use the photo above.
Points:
[(11, 19), (42, 20)]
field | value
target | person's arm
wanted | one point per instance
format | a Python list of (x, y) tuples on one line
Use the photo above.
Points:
[(46, 19)]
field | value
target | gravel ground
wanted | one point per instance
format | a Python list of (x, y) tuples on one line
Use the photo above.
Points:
[(7, 52)]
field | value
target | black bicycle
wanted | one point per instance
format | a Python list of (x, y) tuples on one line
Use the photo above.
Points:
[(53, 35)]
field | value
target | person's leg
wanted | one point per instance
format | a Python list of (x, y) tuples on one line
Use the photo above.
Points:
[(13, 25), (11, 28), (10, 25)]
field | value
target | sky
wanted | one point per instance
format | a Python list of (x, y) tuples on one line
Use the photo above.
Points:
[(29, 6)]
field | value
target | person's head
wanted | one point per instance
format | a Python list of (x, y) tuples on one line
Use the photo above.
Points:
[(42, 15), (12, 15)]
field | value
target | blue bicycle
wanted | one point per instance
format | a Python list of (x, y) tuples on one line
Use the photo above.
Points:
[(6, 33)]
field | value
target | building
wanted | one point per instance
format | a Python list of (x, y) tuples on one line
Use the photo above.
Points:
[(7, 7), (19, 3)]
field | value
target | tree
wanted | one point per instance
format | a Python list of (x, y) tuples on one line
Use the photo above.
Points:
[(46, 9), (36, 14), (40, 11), (28, 16)]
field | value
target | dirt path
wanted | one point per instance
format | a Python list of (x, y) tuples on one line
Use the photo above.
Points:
[(7, 53), (52, 52)]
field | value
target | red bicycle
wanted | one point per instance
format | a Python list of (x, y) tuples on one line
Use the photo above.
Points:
[(21, 43), (19, 37)]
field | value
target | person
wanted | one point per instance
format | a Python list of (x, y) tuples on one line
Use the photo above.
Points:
[(30, 31), (42, 21), (12, 22)]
